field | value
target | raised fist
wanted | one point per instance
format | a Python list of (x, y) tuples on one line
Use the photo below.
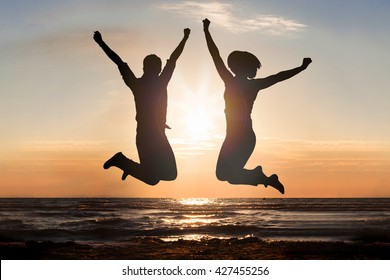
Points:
[(206, 24), (306, 61), (97, 37), (187, 32)]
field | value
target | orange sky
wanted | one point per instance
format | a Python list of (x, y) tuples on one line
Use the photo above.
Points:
[(65, 110), (308, 169)]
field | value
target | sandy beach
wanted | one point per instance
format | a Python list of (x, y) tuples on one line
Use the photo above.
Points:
[(152, 248)]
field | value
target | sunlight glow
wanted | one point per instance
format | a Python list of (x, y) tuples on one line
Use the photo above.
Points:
[(198, 123), (199, 117)]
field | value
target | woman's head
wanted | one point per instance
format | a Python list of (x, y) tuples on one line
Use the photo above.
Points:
[(243, 64), (152, 65)]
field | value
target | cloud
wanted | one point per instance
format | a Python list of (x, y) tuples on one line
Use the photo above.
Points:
[(222, 14), (194, 146)]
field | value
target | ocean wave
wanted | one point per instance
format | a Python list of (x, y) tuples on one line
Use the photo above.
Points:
[(119, 219)]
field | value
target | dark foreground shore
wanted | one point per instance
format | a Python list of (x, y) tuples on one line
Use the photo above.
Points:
[(239, 249)]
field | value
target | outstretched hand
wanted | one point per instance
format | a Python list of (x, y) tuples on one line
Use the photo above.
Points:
[(206, 24), (187, 32), (97, 37), (306, 61)]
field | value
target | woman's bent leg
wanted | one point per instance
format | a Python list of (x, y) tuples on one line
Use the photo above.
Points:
[(234, 154)]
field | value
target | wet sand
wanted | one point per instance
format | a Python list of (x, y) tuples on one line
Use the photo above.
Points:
[(218, 249)]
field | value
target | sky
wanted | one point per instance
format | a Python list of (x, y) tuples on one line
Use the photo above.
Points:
[(65, 109)]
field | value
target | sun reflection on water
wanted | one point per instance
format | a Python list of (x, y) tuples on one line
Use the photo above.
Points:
[(193, 213), (189, 221), (196, 201)]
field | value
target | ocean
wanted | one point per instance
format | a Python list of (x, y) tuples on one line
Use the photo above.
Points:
[(105, 220)]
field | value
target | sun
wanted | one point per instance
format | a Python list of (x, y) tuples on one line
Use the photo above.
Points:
[(198, 123), (197, 116)]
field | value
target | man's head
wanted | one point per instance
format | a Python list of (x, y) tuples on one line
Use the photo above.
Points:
[(152, 65)]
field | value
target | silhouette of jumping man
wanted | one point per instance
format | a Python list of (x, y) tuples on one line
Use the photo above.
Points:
[(241, 90), (157, 161)]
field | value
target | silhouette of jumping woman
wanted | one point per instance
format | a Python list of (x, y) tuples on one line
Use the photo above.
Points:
[(157, 161), (241, 90)]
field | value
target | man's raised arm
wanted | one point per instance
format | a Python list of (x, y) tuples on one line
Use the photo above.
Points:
[(109, 52), (127, 75), (167, 72), (179, 49)]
